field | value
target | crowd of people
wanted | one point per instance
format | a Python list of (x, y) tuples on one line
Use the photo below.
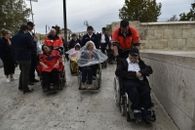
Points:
[(21, 50)]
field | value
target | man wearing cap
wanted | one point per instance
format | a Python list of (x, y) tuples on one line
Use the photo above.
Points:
[(22, 44), (125, 37), (33, 38), (133, 72)]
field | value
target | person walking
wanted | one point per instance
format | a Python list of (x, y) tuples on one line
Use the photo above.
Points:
[(103, 40), (34, 58), (73, 41), (7, 56), (90, 36), (23, 46)]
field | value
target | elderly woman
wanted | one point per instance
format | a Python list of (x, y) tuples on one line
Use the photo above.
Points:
[(86, 62), (6, 54), (49, 67), (53, 40)]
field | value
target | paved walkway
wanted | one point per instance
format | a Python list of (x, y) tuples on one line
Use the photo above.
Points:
[(70, 109)]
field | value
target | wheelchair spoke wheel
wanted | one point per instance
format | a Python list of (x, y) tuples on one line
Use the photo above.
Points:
[(117, 93), (123, 106)]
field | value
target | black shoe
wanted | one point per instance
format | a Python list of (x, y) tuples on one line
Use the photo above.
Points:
[(35, 80), (30, 83), (28, 91), (89, 82), (45, 89), (20, 89), (94, 78), (150, 115), (137, 115)]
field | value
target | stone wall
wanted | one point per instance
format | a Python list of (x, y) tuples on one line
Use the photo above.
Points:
[(165, 35), (173, 83)]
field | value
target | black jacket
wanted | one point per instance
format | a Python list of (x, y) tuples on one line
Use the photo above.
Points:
[(106, 38), (34, 43), (122, 70), (72, 43), (23, 45), (86, 38), (6, 50)]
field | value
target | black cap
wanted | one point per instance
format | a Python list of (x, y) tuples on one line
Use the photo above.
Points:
[(89, 28), (31, 24), (134, 52), (73, 35), (124, 23)]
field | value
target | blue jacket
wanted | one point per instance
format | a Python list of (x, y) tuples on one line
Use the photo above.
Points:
[(23, 45)]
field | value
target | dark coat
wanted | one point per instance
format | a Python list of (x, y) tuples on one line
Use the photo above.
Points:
[(34, 44), (6, 50), (106, 38), (23, 45), (72, 43), (86, 38), (122, 71)]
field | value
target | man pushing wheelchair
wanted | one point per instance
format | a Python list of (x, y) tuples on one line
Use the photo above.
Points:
[(132, 74)]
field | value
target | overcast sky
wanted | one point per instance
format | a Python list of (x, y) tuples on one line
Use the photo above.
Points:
[(97, 12)]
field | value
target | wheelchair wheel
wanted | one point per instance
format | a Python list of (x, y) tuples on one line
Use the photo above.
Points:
[(117, 92), (130, 116), (79, 80), (123, 105), (99, 76), (104, 64), (62, 81)]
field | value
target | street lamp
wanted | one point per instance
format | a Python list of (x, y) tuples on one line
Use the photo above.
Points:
[(31, 8), (65, 21)]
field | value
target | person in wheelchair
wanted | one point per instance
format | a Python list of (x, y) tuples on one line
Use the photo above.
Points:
[(50, 66), (73, 55), (89, 61), (54, 41), (133, 72), (74, 52)]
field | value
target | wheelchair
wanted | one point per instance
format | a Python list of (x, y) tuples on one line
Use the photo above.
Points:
[(51, 86), (96, 83), (74, 68), (122, 101)]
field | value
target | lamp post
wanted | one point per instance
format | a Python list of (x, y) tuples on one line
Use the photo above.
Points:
[(65, 21), (31, 11)]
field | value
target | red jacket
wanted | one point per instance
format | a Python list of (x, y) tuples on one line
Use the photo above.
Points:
[(54, 43), (50, 60), (126, 42)]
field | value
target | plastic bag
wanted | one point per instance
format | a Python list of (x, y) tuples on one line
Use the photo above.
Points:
[(88, 58)]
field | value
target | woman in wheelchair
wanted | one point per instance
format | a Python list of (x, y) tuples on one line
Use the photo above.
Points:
[(88, 72), (89, 61), (49, 67), (133, 72), (73, 55)]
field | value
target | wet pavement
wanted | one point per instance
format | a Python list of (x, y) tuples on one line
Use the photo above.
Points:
[(69, 109)]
